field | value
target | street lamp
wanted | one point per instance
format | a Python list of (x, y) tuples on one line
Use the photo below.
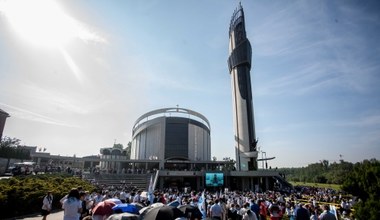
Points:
[(262, 157)]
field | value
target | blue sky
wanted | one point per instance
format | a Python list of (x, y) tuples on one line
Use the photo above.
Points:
[(75, 75)]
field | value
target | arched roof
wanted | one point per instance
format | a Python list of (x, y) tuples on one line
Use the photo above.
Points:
[(172, 112)]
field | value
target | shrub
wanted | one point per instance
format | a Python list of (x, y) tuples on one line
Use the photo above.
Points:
[(24, 194)]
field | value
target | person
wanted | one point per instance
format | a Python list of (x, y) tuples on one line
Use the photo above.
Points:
[(215, 180), (97, 198), (232, 212), (123, 196), (326, 214), (46, 205), (263, 209), (72, 206), (249, 215), (255, 207), (85, 211), (137, 197), (65, 197), (314, 214), (216, 210), (275, 211), (302, 213), (243, 210)]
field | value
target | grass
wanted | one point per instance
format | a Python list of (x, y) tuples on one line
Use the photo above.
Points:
[(320, 185)]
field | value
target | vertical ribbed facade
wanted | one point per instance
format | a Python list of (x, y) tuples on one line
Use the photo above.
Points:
[(239, 64), (171, 133)]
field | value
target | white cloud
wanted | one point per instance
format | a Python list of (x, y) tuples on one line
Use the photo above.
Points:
[(32, 116)]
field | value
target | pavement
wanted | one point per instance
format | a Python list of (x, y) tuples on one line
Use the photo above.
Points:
[(53, 216)]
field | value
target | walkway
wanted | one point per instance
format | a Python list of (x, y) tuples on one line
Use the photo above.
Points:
[(52, 216)]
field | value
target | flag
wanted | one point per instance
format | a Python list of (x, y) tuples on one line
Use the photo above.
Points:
[(150, 190), (202, 204), (150, 187), (333, 210)]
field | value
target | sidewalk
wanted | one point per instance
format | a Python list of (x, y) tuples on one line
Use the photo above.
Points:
[(53, 216)]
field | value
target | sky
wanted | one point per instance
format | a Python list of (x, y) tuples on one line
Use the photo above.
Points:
[(75, 75)]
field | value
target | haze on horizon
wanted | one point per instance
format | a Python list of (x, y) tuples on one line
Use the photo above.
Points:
[(75, 75)]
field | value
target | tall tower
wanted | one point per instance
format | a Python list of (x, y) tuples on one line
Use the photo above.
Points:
[(3, 118), (239, 64)]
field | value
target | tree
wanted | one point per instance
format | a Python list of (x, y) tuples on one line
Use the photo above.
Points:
[(364, 182), (10, 149), (128, 150), (230, 166), (118, 146)]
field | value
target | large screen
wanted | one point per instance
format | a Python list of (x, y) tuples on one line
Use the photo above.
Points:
[(214, 179)]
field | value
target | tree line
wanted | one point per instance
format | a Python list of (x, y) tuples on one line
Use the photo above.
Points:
[(321, 172), (361, 180)]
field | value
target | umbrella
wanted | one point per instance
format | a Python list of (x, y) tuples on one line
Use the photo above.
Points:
[(103, 208), (144, 210), (157, 204), (163, 213), (125, 207), (138, 205), (114, 200), (191, 211), (124, 216), (175, 203)]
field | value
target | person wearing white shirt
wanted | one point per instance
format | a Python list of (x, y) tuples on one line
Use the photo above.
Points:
[(72, 206), (216, 211), (123, 196), (249, 215), (137, 197), (47, 205)]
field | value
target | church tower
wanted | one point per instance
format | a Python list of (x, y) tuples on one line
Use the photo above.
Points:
[(239, 64)]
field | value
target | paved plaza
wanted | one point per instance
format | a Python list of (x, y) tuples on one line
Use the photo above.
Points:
[(53, 216)]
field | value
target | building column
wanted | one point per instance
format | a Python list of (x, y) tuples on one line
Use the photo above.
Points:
[(161, 182)]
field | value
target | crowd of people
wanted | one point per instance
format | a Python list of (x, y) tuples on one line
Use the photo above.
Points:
[(302, 203)]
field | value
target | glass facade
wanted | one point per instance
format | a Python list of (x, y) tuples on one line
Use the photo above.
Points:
[(176, 138)]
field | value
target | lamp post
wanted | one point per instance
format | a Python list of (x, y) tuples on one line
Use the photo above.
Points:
[(262, 157)]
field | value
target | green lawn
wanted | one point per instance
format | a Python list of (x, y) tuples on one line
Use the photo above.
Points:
[(321, 185)]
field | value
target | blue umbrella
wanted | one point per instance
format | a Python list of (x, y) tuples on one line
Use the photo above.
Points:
[(125, 207), (175, 203)]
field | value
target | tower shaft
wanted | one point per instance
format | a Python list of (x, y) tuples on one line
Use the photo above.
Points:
[(239, 63)]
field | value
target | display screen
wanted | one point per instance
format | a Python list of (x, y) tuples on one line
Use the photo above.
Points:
[(214, 179)]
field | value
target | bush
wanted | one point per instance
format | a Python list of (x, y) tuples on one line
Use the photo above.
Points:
[(24, 194)]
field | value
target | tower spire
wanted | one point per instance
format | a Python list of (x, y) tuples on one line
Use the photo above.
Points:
[(239, 64)]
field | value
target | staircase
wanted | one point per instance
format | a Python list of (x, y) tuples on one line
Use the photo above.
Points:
[(283, 184), (139, 181)]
